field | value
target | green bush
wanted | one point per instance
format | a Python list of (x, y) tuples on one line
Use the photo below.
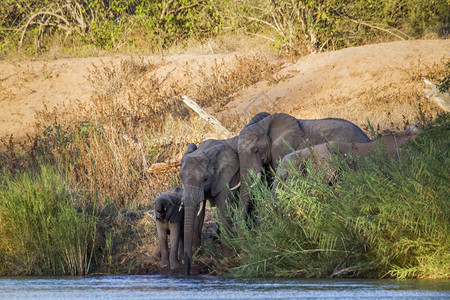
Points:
[(390, 217), (295, 26), (106, 24), (42, 232)]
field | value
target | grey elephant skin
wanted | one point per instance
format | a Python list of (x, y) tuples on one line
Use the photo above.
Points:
[(169, 216), (209, 171), (321, 154), (266, 142)]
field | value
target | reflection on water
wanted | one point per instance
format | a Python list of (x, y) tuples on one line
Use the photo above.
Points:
[(209, 287)]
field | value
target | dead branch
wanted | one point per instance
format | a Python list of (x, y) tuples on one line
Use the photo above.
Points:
[(164, 168), (264, 22), (221, 130), (349, 269), (379, 28), (441, 99), (40, 14), (261, 36)]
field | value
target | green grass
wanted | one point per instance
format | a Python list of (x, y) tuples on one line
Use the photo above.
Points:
[(388, 218), (42, 232)]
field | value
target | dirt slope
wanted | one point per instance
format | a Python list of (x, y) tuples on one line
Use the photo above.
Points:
[(349, 83), (356, 83)]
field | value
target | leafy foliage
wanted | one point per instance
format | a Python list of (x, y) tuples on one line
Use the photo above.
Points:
[(294, 26), (107, 24)]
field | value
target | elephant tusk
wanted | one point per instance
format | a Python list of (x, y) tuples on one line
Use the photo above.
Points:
[(236, 186), (181, 207), (259, 177), (200, 209)]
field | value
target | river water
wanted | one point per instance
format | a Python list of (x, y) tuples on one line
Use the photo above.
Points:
[(211, 287)]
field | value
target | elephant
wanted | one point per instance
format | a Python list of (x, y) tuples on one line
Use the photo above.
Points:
[(258, 117), (322, 153), (209, 171), (169, 216), (266, 142)]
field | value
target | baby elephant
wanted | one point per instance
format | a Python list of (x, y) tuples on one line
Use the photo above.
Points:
[(169, 214), (320, 154)]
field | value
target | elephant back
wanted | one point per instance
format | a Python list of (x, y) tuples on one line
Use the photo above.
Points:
[(331, 129)]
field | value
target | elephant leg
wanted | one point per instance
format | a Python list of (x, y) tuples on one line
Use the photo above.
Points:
[(161, 230), (226, 221), (157, 252), (181, 243), (174, 239)]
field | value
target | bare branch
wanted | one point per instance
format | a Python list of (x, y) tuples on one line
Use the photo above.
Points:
[(175, 11), (349, 269), (262, 21), (221, 130), (39, 14), (380, 28), (261, 36), (280, 29)]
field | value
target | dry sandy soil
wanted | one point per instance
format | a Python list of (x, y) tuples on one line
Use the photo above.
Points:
[(363, 83)]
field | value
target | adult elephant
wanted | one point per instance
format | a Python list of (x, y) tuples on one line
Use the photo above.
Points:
[(210, 171), (391, 143), (266, 142)]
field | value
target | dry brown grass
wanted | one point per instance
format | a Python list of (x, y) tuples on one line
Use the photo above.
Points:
[(130, 97), (126, 143), (389, 105), (219, 84), (27, 72)]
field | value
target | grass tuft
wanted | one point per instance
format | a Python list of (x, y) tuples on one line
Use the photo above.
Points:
[(42, 231)]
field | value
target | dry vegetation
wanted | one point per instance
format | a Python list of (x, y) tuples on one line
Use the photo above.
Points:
[(123, 147), (219, 85), (388, 105)]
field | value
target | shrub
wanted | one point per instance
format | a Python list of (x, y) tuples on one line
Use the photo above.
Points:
[(387, 218), (294, 26), (42, 232)]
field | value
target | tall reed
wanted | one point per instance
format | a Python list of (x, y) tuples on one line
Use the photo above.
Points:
[(387, 218), (41, 230)]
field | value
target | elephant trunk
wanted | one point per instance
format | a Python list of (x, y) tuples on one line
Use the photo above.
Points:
[(189, 219), (192, 196), (245, 188)]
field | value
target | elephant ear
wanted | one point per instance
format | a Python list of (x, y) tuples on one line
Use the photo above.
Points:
[(258, 117), (176, 215), (176, 192), (191, 148), (227, 165)]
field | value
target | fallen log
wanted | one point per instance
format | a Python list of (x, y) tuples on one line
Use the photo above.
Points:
[(440, 98), (221, 130)]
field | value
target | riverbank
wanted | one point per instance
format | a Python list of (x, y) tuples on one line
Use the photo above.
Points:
[(77, 192)]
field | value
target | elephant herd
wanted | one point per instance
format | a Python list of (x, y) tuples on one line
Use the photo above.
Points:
[(213, 171)]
